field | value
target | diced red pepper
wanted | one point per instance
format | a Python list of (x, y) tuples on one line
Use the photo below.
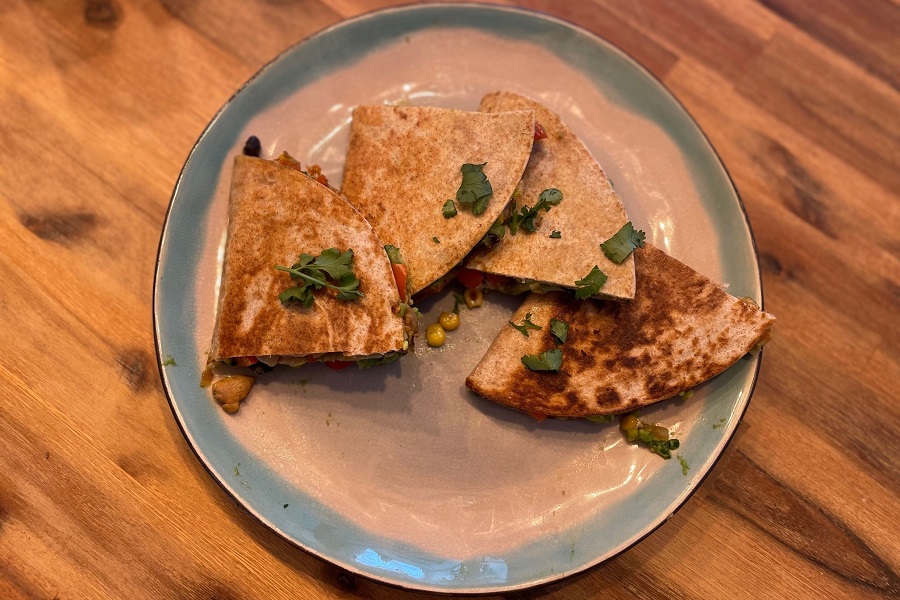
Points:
[(470, 278), (539, 133), (400, 277), (497, 281), (337, 365)]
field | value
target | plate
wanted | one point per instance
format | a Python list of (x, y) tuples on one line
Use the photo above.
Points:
[(398, 473)]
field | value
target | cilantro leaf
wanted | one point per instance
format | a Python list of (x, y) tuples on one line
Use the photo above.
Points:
[(334, 262), (551, 197), (591, 284), (302, 295), (449, 209), (551, 360), (331, 269), (393, 253), (559, 329), (618, 247), (475, 188), (525, 218), (526, 325), (555, 234)]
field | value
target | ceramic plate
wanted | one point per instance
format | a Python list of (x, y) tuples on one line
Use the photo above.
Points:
[(398, 473)]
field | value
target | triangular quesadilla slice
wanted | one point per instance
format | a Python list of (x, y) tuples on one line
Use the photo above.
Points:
[(342, 301), (418, 175), (565, 246), (680, 330)]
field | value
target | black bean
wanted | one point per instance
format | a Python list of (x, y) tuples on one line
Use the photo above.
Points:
[(252, 147)]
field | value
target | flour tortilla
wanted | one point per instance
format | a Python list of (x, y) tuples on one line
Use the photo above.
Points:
[(680, 330), (590, 213), (403, 164), (277, 213)]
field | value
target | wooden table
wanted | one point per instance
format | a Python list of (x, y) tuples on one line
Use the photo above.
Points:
[(101, 496)]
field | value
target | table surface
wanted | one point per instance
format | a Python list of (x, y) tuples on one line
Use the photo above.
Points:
[(102, 100)]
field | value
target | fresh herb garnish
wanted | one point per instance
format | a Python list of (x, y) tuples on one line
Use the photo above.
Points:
[(656, 437), (457, 300), (684, 464), (494, 234), (526, 325), (551, 360), (526, 216), (449, 209), (618, 247), (332, 269), (559, 329), (393, 253), (168, 360), (475, 189), (435, 240), (591, 283), (555, 234)]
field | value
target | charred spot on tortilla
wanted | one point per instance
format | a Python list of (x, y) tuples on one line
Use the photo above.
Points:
[(680, 329)]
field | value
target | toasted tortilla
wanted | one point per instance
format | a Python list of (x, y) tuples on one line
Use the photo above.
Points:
[(277, 213), (680, 330), (403, 164), (590, 213)]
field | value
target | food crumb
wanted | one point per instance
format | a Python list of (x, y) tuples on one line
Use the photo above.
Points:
[(286, 505), (168, 359), (684, 464)]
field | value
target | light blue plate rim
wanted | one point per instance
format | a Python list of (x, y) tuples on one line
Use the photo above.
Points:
[(308, 525)]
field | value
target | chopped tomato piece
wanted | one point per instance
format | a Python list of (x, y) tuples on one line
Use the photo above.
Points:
[(536, 416), (497, 281), (539, 133), (246, 361), (470, 278), (400, 278), (337, 365)]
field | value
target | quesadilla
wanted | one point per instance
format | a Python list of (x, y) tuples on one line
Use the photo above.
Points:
[(565, 246), (333, 295), (413, 172), (680, 330)]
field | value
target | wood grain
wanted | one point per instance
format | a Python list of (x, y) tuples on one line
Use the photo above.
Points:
[(102, 100)]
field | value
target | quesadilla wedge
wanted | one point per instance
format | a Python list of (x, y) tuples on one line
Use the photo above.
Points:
[(565, 246), (279, 214), (680, 330), (405, 164)]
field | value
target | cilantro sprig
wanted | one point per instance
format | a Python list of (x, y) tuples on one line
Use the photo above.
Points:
[(475, 189), (551, 360), (525, 218), (591, 284), (332, 269), (624, 242), (559, 329), (525, 326)]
